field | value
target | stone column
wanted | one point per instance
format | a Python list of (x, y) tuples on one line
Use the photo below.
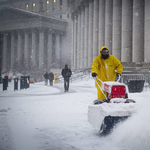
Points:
[(33, 49), (79, 39), (138, 31), (41, 49), (101, 24), (36, 7), (90, 35), (147, 32), (64, 4), (127, 11), (44, 5), (108, 24), (72, 41), (75, 41), (19, 50), (30, 6), (95, 28), (51, 6), (12, 50), (4, 56), (57, 51), (117, 17), (86, 27), (49, 51), (57, 5), (26, 48), (82, 35)]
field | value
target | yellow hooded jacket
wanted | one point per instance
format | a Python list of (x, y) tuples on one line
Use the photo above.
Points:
[(106, 70), (56, 78)]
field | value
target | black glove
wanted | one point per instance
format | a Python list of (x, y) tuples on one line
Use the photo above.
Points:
[(94, 74), (118, 75)]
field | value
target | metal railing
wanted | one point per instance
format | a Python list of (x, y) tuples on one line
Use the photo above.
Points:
[(147, 78), (77, 75), (126, 77), (81, 74)]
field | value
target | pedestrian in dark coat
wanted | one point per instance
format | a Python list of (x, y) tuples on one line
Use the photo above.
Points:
[(46, 78), (66, 73), (51, 78)]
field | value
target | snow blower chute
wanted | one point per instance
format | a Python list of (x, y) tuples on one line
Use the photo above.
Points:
[(104, 115)]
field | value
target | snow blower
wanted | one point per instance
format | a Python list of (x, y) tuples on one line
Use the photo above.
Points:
[(117, 107)]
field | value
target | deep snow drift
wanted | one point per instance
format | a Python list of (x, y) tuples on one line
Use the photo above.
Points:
[(45, 118)]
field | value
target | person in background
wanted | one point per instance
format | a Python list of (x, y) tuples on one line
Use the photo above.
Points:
[(56, 78), (46, 78), (105, 67), (51, 78), (6, 77), (66, 73)]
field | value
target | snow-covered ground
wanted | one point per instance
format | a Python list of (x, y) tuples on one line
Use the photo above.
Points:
[(45, 118)]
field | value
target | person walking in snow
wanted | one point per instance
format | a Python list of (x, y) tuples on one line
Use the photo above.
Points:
[(105, 67), (56, 78), (46, 78), (66, 73), (51, 78)]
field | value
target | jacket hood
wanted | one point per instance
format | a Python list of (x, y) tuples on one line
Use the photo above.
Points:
[(103, 48)]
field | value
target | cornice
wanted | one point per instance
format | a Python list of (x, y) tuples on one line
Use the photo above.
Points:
[(36, 21)]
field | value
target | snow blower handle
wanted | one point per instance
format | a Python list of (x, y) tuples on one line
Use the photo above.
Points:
[(99, 79), (119, 77), (99, 86)]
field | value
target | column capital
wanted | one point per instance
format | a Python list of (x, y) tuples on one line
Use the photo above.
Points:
[(82, 5), (41, 29), (5, 33), (91, 1), (78, 10), (33, 30), (57, 33), (19, 31), (12, 31), (86, 2), (26, 30), (62, 33), (50, 31)]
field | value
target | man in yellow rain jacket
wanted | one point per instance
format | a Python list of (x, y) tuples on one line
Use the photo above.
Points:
[(105, 67)]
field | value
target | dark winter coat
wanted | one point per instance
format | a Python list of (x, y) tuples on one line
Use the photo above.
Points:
[(46, 75), (66, 73), (51, 76)]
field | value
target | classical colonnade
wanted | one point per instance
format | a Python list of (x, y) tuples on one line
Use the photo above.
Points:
[(37, 48), (121, 25)]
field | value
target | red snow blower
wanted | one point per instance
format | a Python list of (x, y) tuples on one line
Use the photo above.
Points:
[(105, 114)]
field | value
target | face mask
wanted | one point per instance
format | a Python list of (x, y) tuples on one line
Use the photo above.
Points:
[(105, 56)]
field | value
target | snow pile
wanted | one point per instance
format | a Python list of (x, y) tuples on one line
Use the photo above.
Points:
[(45, 118), (134, 133), (97, 113)]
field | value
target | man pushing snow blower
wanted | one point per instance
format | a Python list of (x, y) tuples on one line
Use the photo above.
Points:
[(105, 67), (110, 107)]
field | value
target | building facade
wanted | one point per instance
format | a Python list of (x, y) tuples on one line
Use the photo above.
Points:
[(35, 35), (121, 25), (42, 35)]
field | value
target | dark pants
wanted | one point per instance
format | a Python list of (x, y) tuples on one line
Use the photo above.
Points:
[(46, 81), (66, 84), (51, 82)]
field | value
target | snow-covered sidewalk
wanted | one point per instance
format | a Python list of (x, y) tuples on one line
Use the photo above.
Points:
[(46, 118)]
